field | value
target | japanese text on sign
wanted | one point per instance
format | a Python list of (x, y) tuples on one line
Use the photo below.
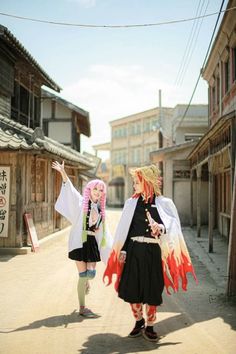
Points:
[(4, 200)]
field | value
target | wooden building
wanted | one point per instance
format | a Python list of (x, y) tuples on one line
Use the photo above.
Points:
[(27, 182), (63, 121), (213, 158), (21, 78), (25, 171)]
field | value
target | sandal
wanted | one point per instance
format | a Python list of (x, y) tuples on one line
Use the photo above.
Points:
[(85, 312)]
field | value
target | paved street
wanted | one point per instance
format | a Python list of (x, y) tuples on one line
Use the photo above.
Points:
[(38, 311)]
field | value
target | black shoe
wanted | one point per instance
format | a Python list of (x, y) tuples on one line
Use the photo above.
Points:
[(137, 330), (150, 335)]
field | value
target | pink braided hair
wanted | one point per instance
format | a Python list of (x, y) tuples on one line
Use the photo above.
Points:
[(87, 194)]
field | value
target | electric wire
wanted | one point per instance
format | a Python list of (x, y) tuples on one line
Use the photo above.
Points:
[(206, 56), (114, 26), (187, 45), (204, 62), (192, 46)]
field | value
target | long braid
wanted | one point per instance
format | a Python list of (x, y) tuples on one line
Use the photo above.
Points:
[(86, 197)]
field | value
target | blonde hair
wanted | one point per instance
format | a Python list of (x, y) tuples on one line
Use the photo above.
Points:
[(150, 178)]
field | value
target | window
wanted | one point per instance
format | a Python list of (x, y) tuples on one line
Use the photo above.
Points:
[(6, 76), (135, 128), (147, 125), (119, 157), (136, 155), (147, 151), (119, 132), (213, 97), (226, 76), (234, 64), (217, 90), (24, 101)]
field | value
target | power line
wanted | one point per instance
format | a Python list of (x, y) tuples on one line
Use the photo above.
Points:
[(115, 26), (205, 59), (208, 49), (192, 45), (187, 46)]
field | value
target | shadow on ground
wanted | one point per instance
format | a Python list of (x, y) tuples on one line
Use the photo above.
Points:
[(54, 321), (109, 343)]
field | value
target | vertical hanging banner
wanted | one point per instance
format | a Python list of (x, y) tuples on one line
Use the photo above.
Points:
[(4, 199)]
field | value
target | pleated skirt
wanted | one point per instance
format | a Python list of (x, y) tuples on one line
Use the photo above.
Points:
[(88, 253), (142, 278)]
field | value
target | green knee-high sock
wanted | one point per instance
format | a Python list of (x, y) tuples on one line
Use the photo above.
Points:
[(81, 288)]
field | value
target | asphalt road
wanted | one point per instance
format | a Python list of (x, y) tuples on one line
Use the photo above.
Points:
[(38, 311)]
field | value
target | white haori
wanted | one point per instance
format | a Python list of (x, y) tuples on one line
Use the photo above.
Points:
[(175, 256), (70, 204)]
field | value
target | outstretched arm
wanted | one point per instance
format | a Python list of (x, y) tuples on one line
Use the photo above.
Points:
[(61, 169), (69, 201)]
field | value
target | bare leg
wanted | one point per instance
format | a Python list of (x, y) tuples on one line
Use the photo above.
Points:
[(81, 266)]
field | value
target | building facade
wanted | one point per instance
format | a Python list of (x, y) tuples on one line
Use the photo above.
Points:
[(213, 158), (63, 121), (133, 138), (176, 167)]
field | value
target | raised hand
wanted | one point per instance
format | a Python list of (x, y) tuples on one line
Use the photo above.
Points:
[(58, 167)]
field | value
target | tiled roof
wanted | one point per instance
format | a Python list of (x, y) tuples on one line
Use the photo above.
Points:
[(15, 136)]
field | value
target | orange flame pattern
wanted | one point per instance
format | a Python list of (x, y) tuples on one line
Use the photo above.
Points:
[(174, 270)]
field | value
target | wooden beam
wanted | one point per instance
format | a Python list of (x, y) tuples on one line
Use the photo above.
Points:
[(199, 175), (191, 197), (210, 205), (231, 271)]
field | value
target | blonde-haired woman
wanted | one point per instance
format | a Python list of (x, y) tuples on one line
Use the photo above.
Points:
[(89, 241), (149, 251)]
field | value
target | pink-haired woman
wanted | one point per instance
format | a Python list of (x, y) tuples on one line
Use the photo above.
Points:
[(89, 241)]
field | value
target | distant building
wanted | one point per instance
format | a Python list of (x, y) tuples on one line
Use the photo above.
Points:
[(133, 138), (173, 159), (63, 121)]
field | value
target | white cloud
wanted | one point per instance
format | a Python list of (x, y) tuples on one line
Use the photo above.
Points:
[(110, 92)]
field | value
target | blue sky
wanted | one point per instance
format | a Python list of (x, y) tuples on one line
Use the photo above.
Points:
[(115, 72)]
